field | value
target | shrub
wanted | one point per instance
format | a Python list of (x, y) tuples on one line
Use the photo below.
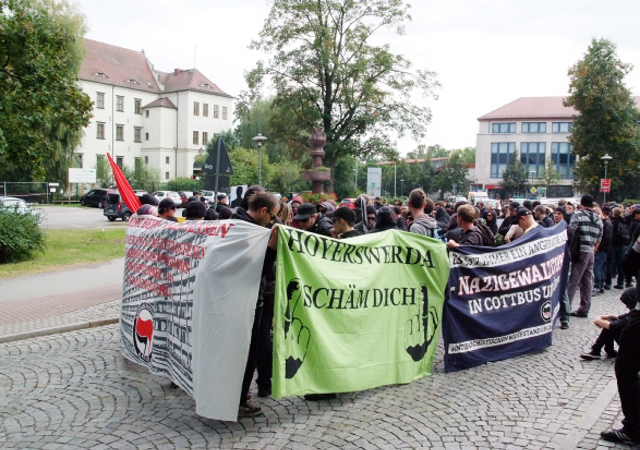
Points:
[(20, 237)]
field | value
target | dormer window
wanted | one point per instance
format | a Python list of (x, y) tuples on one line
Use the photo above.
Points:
[(101, 74), (131, 80), (207, 85)]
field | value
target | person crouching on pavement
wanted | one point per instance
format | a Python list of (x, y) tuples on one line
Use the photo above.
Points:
[(612, 326)]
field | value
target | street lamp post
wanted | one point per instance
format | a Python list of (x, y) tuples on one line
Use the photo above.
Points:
[(401, 181), (605, 159), (259, 139)]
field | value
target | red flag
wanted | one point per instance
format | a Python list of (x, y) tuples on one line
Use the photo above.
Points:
[(126, 193)]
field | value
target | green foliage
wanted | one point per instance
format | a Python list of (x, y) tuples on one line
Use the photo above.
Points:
[(607, 120), (453, 176), (514, 177), (550, 175), (245, 167), (357, 92), (183, 184), (42, 109), (309, 197), (21, 236)]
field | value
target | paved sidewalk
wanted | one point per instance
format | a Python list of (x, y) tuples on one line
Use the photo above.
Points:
[(74, 390), (66, 299)]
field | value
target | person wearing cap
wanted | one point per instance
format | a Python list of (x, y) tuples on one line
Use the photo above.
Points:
[(222, 201), (167, 209), (510, 219), (368, 222), (377, 203), (344, 220), (148, 199), (325, 207), (612, 326), (524, 222), (147, 210), (590, 225), (312, 221), (195, 210)]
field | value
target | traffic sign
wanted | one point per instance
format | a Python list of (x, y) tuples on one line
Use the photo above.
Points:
[(605, 185), (533, 190)]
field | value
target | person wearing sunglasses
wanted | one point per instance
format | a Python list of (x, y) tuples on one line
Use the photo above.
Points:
[(309, 220), (343, 223), (167, 210), (369, 222)]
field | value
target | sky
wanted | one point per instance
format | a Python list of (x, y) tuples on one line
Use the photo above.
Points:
[(485, 53)]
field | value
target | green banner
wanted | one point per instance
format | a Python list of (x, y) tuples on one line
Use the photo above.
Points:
[(357, 313)]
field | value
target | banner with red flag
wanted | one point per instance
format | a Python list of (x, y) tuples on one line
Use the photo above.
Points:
[(126, 192)]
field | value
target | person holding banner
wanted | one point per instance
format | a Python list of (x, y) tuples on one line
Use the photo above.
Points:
[(465, 216), (343, 223), (312, 221), (262, 210)]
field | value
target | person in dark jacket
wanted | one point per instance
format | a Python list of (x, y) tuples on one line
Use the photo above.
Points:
[(510, 219), (612, 326), (369, 220), (542, 217), (465, 215), (385, 220), (343, 220), (312, 221), (167, 210), (600, 257), (262, 209), (492, 221), (619, 243)]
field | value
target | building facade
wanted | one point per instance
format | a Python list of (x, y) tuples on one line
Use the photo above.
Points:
[(142, 116)]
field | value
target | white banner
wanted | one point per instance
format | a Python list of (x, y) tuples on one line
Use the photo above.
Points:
[(188, 300), (82, 175)]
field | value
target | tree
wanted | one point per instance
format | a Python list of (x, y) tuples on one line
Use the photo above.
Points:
[(328, 72), (514, 177), (42, 109), (607, 123), (453, 176), (550, 175)]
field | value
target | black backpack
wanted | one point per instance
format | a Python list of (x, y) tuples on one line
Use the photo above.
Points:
[(488, 239), (621, 235)]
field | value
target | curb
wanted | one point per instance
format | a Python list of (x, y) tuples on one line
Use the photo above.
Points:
[(56, 330)]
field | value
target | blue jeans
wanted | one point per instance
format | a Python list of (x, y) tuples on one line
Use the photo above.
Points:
[(598, 270)]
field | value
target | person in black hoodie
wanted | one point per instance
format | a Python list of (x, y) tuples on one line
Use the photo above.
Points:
[(600, 257), (510, 219), (492, 221), (619, 242), (627, 366), (385, 220), (261, 209)]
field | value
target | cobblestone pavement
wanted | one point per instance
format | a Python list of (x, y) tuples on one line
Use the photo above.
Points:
[(75, 390)]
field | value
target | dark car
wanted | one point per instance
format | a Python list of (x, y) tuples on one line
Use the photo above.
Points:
[(116, 208), (95, 197)]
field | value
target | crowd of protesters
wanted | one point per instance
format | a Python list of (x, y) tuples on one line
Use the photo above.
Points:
[(605, 242)]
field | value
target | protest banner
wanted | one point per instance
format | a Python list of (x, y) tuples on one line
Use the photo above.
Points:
[(356, 313), (188, 300), (504, 301)]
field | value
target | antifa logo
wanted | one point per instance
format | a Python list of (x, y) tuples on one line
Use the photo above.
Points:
[(143, 332), (545, 311)]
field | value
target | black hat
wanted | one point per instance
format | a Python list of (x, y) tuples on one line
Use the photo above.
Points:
[(166, 203), (344, 212), (305, 211), (148, 199), (514, 205), (196, 210), (221, 195), (523, 211), (587, 201), (192, 199), (562, 210), (628, 297)]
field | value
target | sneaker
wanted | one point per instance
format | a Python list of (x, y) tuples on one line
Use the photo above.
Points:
[(590, 355), (617, 436), (316, 397), (264, 392), (602, 290), (595, 293), (608, 288), (578, 314), (618, 286), (564, 326), (248, 410)]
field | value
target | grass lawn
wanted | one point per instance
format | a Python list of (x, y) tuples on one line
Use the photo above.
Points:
[(67, 248)]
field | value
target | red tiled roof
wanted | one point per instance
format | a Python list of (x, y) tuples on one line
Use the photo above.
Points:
[(118, 66), (192, 79), (535, 108), (162, 102)]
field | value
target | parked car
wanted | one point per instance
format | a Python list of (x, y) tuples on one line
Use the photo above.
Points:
[(116, 208), (173, 195), (350, 202), (95, 197), (18, 205), (210, 197)]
